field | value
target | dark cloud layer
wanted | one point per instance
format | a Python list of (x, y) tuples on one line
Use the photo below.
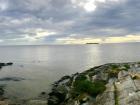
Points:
[(25, 20)]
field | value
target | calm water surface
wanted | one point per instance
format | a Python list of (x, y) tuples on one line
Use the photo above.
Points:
[(40, 66)]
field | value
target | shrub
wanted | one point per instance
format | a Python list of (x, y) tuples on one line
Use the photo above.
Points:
[(113, 66), (113, 72), (82, 85), (127, 66)]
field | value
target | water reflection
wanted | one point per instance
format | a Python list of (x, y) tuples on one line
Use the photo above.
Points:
[(41, 65)]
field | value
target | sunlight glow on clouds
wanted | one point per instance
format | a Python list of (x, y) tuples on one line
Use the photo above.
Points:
[(88, 5), (37, 34), (128, 38), (3, 5), (69, 40), (119, 39), (43, 34)]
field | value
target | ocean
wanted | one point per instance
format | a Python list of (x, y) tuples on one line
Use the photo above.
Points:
[(41, 65)]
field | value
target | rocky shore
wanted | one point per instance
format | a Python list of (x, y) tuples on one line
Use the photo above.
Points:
[(109, 84), (3, 100)]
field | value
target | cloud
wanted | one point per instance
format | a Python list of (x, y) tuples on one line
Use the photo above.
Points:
[(128, 38), (63, 21), (3, 5)]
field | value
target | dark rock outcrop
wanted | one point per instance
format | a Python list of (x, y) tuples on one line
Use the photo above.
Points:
[(5, 64), (11, 79), (9, 63)]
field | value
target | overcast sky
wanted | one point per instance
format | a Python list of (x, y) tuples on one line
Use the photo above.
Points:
[(69, 21)]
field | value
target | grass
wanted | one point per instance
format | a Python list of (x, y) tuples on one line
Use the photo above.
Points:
[(113, 73), (115, 69), (116, 95)]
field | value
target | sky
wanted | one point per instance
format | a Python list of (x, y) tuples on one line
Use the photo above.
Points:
[(69, 21)]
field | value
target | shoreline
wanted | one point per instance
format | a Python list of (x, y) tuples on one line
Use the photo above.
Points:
[(104, 84), (93, 86)]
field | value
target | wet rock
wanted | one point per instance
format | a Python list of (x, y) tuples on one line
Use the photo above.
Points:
[(11, 79), (5, 64), (9, 63), (63, 80), (1, 91), (58, 95), (2, 64), (37, 102), (53, 100), (43, 93)]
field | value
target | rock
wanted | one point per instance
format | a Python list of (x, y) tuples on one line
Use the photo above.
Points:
[(11, 79), (122, 74), (3, 103), (58, 95), (63, 80), (43, 93), (53, 100), (121, 89), (37, 102), (5, 64), (9, 63), (1, 91), (65, 77), (2, 64), (107, 98), (128, 93)]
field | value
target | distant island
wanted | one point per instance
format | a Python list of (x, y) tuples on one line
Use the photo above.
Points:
[(92, 43)]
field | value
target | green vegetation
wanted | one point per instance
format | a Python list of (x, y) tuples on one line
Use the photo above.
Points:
[(113, 66), (82, 85), (116, 95), (115, 69), (113, 72), (127, 66)]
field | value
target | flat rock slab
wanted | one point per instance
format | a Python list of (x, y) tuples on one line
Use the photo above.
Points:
[(3, 103), (37, 102), (128, 91), (107, 98)]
